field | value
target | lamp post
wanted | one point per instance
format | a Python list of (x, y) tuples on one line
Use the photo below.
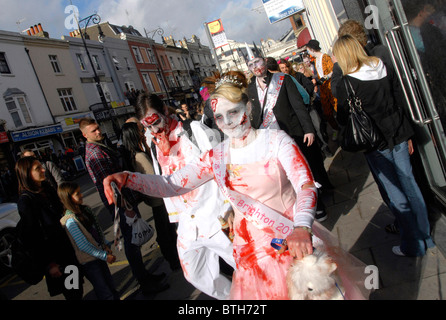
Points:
[(96, 19), (160, 32)]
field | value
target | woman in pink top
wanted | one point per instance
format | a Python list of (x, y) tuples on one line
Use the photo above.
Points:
[(268, 182)]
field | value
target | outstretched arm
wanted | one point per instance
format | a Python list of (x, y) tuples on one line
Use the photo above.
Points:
[(182, 181)]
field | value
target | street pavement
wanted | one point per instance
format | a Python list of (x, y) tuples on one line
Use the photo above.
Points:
[(357, 217)]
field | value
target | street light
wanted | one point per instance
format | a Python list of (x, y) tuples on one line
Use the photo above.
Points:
[(96, 19)]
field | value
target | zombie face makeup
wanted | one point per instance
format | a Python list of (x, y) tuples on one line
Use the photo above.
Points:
[(154, 121), (231, 118), (257, 66)]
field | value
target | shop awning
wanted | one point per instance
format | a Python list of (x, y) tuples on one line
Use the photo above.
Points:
[(303, 38)]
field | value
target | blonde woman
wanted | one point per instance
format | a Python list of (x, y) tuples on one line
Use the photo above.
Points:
[(374, 84)]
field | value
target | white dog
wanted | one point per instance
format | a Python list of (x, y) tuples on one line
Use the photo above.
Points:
[(312, 278)]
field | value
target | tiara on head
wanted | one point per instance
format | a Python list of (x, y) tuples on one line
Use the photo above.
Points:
[(228, 79)]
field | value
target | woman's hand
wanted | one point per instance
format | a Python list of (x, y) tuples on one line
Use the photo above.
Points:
[(410, 146), (309, 138), (54, 270), (111, 258), (120, 179), (299, 243)]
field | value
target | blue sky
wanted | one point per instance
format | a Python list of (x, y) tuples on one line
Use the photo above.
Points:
[(179, 18)]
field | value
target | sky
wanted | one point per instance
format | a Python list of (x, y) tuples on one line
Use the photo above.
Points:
[(178, 18)]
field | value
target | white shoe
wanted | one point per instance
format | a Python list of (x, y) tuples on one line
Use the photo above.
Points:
[(397, 250)]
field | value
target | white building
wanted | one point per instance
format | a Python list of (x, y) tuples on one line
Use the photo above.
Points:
[(24, 110)]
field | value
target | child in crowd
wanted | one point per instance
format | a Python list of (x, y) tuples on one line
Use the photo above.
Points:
[(88, 241)]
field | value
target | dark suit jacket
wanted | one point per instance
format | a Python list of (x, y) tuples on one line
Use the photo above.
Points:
[(290, 111)]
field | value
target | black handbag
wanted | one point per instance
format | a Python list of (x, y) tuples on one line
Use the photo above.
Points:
[(26, 265), (361, 133)]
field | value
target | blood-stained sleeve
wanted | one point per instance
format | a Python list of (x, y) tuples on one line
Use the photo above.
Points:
[(190, 177), (300, 176)]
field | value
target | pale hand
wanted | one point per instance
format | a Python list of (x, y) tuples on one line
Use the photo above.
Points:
[(299, 243), (310, 138), (162, 142)]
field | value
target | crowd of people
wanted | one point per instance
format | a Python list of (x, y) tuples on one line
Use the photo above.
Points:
[(195, 168)]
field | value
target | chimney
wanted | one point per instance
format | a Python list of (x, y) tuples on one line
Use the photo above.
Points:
[(28, 32), (169, 41), (37, 30)]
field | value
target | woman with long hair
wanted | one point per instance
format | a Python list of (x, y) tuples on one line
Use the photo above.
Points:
[(375, 86), (88, 240), (40, 230)]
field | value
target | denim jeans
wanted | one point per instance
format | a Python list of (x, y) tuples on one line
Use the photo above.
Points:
[(394, 171), (98, 273)]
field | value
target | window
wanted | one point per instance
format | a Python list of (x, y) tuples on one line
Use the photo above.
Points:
[(148, 82), (161, 82), (116, 62), (55, 63), (144, 55), (151, 56), (4, 68), (81, 61), (127, 63), (172, 63), (96, 63), (18, 108), (67, 99), (129, 85), (137, 54), (171, 82)]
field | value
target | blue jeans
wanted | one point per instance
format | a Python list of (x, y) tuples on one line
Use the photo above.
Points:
[(98, 273), (394, 171)]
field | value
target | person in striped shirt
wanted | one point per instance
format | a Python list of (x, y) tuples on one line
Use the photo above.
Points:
[(88, 241)]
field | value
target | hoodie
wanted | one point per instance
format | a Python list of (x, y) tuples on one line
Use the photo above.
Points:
[(375, 86)]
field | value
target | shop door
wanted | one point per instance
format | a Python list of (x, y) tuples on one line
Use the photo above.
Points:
[(415, 34)]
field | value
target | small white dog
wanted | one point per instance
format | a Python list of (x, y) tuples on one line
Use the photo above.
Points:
[(312, 278)]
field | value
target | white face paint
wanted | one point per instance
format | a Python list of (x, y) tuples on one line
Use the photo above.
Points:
[(231, 118), (257, 66)]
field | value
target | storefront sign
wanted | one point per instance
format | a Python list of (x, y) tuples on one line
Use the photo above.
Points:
[(217, 33), (36, 133)]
